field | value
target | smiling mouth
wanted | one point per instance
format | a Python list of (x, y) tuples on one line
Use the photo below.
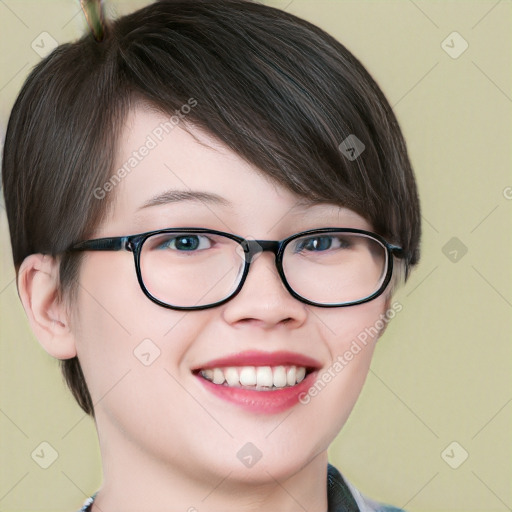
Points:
[(256, 378)]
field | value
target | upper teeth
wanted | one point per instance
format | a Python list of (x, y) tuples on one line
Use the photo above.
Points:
[(258, 376)]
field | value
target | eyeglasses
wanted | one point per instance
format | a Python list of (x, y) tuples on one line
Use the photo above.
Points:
[(195, 268)]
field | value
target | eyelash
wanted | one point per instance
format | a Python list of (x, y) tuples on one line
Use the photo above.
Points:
[(185, 236)]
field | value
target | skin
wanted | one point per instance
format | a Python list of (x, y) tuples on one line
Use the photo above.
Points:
[(166, 441)]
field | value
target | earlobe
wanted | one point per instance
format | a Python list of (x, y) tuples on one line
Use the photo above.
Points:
[(38, 286)]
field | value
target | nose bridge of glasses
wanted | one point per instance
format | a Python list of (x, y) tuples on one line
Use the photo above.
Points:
[(252, 248)]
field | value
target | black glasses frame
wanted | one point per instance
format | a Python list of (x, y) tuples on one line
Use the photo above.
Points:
[(251, 248)]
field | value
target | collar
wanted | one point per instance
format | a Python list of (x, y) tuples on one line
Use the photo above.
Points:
[(339, 497)]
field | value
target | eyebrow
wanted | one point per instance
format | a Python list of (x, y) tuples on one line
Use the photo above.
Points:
[(174, 196)]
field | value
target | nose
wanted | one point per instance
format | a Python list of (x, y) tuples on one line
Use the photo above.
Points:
[(263, 300)]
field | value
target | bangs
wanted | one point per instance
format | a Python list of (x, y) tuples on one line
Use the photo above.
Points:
[(284, 100)]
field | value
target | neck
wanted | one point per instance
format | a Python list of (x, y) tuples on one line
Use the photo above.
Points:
[(134, 480)]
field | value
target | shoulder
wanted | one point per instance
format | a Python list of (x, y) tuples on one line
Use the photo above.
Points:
[(364, 503)]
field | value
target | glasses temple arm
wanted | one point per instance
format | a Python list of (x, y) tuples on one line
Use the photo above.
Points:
[(398, 252), (102, 244)]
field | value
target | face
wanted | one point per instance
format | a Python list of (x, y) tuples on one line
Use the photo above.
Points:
[(141, 361)]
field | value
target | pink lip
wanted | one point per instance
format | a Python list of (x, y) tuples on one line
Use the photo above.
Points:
[(268, 402), (257, 358)]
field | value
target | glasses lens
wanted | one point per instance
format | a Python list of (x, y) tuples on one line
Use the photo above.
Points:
[(191, 269), (335, 268)]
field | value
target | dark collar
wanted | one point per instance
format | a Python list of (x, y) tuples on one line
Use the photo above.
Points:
[(339, 497)]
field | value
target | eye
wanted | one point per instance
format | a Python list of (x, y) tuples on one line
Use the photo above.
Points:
[(320, 243), (186, 243)]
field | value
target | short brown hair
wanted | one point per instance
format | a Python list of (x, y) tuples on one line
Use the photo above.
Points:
[(276, 89)]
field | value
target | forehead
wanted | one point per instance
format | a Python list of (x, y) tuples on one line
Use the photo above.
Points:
[(168, 173)]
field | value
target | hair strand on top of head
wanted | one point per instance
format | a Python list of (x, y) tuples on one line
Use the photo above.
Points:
[(93, 10)]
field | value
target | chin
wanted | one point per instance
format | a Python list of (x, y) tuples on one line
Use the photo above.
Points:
[(278, 460)]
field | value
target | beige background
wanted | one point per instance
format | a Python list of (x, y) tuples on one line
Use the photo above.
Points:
[(442, 372)]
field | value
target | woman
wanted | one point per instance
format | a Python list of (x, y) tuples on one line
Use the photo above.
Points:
[(259, 178)]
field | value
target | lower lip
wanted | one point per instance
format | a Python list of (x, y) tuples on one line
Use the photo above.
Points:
[(268, 402)]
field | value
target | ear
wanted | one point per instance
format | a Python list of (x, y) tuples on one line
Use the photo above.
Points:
[(38, 287)]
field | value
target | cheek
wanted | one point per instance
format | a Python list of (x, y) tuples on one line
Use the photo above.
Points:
[(355, 329), (350, 335), (119, 330)]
